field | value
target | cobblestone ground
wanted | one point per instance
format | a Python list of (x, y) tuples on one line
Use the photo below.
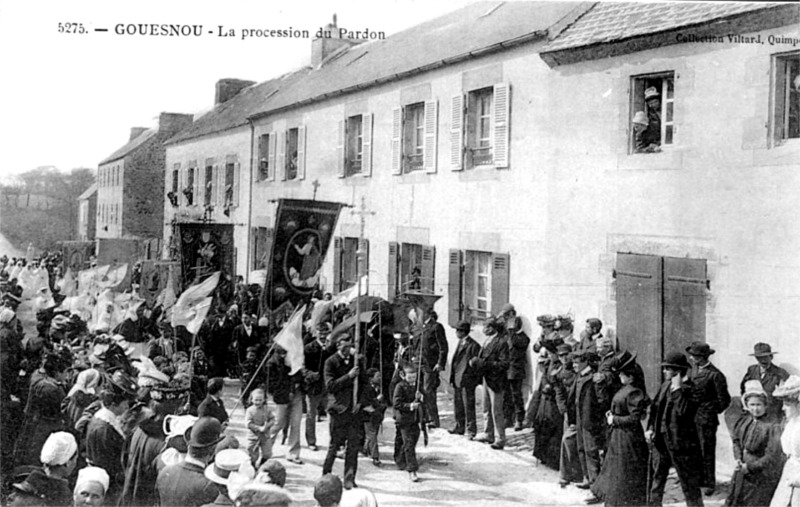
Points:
[(453, 470)]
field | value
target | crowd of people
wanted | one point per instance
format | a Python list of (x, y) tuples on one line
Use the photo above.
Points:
[(121, 408)]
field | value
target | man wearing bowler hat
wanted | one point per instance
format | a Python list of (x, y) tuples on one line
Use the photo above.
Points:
[(711, 391), (769, 375), (185, 484), (464, 379), (672, 429)]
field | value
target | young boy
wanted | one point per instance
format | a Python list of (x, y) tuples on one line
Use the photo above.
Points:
[(375, 407), (259, 420), (248, 370), (406, 401)]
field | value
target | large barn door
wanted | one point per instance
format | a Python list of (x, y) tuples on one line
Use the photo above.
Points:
[(685, 283), (639, 312)]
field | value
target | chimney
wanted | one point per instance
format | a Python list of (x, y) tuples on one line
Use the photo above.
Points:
[(136, 132), (329, 43), (226, 89), (173, 122)]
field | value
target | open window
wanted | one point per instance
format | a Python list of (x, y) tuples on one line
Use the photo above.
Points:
[(786, 116), (411, 267), (414, 138), (355, 146), (478, 284), (479, 132), (264, 153), (652, 114), (208, 185), (345, 262)]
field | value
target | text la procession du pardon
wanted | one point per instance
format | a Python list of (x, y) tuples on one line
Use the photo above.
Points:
[(172, 30)]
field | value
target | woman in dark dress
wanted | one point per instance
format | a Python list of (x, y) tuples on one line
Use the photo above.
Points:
[(43, 410), (80, 396), (623, 478), (548, 423)]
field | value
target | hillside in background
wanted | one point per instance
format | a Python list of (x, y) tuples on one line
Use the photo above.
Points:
[(41, 206)]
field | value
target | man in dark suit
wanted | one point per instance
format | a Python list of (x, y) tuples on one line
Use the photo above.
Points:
[(464, 379), (769, 375), (316, 353), (185, 484), (433, 347), (672, 428), (245, 335), (711, 391), (518, 343), (492, 362), (590, 424), (341, 372), (212, 406)]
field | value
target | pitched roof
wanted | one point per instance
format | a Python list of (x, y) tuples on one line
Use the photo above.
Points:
[(472, 31), (615, 21), (89, 191), (130, 146)]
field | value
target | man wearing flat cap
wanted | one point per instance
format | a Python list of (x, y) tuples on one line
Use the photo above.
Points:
[(672, 429), (711, 391), (464, 379), (769, 375), (316, 353)]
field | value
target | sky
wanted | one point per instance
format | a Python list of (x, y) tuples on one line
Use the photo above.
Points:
[(70, 99)]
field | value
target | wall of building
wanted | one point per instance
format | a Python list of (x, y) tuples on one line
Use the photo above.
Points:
[(110, 193), (234, 143), (87, 218), (144, 190)]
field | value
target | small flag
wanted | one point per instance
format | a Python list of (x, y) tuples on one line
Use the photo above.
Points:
[(193, 304), (291, 339)]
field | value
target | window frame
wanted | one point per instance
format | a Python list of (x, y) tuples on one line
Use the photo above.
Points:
[(292, 140), (780, 115), (413, 137), (638, 84), (264, 153), (476, 99), (354, 145)]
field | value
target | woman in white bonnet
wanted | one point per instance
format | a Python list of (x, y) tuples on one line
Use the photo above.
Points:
[(91, 487), (788, 492), (81, 395), (48, 485)]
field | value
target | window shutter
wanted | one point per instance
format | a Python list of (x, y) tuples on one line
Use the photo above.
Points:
[(500, 281), (273, 155), (501, 119), (199, 184), (366, 146), (457, 132), (470, 290), (397, 144), (391, 276), (280, 166), (236, 171), (337, 264), (428, 267), (301, 153), (340, 150), (221, 186), (365, 247), (431, 123), (454, 302)]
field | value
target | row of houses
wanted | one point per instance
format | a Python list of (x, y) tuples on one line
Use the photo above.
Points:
[(495, 147)]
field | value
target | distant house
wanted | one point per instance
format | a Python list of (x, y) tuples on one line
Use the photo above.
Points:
[(130, 182), (87, 217)]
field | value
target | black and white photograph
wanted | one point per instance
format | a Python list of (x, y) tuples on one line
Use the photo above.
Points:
[(399, 253)]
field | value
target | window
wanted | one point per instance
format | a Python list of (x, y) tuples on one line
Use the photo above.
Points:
[(786, 120), (411, 267), (209, 182), (230, 186), (263, 157), (652, 112), (176, 171), (355, 146), (478, 286), (262, 244), (345, 262), (413, 136), (292, 138), (479, 133), (188, 191)]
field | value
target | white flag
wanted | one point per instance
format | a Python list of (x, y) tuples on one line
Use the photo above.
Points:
[(291, 339), (194, 303), (348, 295)]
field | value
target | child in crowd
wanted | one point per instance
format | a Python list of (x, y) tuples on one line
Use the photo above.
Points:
[(406, 401), (375, 408), (249, 368), (259, 419)]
